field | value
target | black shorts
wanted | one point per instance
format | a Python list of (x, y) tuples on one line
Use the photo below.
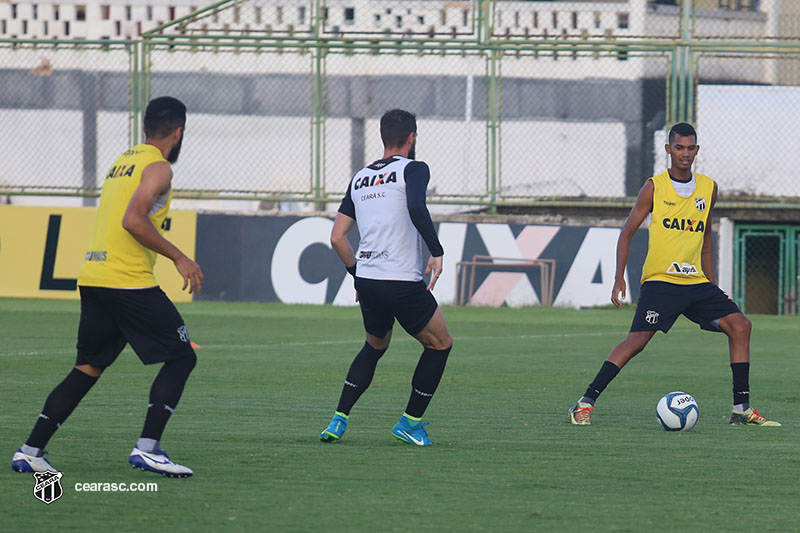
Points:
[(145, 318), (660, 304), (382, 301)]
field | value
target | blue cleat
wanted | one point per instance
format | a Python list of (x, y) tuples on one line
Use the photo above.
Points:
[(335, 429), (22, 462), (159, 462), (411, 432)]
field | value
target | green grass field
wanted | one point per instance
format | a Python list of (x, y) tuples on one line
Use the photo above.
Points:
[(267, 382)]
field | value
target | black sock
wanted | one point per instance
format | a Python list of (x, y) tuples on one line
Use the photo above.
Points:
[(359, 377), (741, 384), (426, 378), (607, 372), (165, 393), (64, 398)]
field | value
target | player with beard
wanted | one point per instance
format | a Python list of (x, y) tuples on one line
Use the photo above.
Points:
[(387, 202), (121, 301), (677, 277)]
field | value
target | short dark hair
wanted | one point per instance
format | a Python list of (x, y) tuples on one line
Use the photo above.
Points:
[(684, 129), (163, 115), (396, 126)]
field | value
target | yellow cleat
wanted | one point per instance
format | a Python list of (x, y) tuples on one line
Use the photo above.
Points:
[(751, 417), (580, 414)]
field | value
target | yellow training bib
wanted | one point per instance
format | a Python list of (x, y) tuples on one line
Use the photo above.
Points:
[(676, 232), (115, 258)]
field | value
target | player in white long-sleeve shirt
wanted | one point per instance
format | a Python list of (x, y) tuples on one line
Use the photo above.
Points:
[(387, 201)]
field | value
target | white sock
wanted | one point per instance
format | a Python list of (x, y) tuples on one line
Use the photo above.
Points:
[(30, 450), (742, 407), (148, 445)]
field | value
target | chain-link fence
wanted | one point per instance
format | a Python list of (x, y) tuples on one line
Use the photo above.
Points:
[(518, 102), (65, 112), (446, 93), (569, 131), (248, 132)]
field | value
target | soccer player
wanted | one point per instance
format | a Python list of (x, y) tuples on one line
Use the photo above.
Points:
[(121, 301), (677, 277), (387, 201)]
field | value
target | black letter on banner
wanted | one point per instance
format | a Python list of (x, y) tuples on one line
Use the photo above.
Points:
[(48, 282)]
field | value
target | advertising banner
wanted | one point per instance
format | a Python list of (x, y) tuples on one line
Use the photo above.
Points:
[(289, 259), (41, 250)]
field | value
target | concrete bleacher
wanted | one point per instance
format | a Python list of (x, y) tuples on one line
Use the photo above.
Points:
[(127, 19), (86, 19)]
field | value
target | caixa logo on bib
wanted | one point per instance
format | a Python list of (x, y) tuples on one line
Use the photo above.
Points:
[(48, 486)]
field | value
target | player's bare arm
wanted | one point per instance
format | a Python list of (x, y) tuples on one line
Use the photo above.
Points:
[(640, 210), (155, 182), (341, 227), (707, 253)]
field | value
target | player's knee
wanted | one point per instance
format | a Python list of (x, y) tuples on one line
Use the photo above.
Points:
[(439, 343), (190, 361), (741, 327), (447, 342), (639, 339), (747, 326), (181, 367), (90, 370), (379, 343)]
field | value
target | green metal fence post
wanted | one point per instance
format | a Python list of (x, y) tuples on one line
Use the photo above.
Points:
[(145, 77), (672, 89), (133, 93), (794, 271), (492, 107), (318, 110), (685, 75), (691, 81), (740, 251)]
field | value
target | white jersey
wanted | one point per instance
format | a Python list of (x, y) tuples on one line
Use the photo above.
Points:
[(391, 246)]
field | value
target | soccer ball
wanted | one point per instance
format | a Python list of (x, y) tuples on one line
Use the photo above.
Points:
[(677, 411)]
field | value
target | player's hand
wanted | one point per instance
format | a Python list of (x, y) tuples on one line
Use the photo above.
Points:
[(619, 287), (191, 273), (434, 269)]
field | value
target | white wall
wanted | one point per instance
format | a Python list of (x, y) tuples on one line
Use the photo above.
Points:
[(274, 153), (748, 138)]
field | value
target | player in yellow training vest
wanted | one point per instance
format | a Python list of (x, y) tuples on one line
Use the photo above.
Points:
[(677, 277), (121, 302)]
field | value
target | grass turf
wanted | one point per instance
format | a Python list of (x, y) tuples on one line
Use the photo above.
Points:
[(507, 458)]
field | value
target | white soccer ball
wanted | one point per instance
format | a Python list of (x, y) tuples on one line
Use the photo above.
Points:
[(677, 411)]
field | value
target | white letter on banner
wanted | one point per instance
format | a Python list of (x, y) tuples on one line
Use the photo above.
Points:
[(287, 282), (599, 248)]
